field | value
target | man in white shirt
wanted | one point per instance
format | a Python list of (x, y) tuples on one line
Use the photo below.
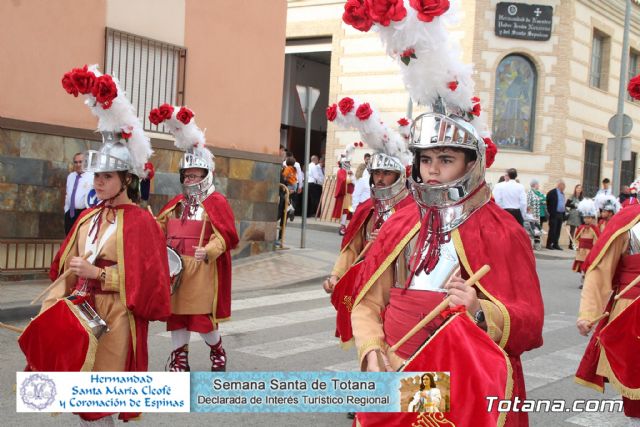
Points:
[(78, 186), (362, 188), (316, 180), (511, 197), (606, 189)]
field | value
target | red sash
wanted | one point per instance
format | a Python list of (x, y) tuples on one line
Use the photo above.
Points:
[(586, 243), (407, 308)]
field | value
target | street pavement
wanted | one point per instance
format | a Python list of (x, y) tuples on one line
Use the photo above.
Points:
[(283, 321)]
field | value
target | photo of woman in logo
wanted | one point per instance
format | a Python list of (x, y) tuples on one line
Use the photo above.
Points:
[(428, 397)]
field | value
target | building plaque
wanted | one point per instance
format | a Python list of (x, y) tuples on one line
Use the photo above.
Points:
[(523, 21)]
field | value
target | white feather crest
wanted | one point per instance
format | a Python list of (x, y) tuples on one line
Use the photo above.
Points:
[(121, 117), (587, 207), (188, 137), (435, 69), (375, 133)]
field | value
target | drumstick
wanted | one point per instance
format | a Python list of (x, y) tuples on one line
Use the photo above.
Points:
[(363, 252), (11, 328), (626, 288), (204, 225), (573, 243), (62, 277), (443, 305), (150, 211), (599, 318)]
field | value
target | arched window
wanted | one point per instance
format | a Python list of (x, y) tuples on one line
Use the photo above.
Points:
[(515, 103)]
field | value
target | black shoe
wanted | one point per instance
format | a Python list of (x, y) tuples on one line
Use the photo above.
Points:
[(580, 287), (557, 248), (548, 247), (351, 415)]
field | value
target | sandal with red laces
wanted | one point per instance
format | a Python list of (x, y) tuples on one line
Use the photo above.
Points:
[(218, 357), (179, 360)]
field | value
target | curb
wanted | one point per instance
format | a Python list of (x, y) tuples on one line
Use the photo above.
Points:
[(20, 310), (316, 227)]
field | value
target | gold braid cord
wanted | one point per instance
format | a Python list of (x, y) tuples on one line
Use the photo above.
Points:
[(432, 419), (347, 300)]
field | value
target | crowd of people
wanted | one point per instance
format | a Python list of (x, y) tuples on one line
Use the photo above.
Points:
[(533, 208)]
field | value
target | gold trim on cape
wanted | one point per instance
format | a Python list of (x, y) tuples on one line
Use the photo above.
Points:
[(121, 274), (387, 262), (614, 236), (90, 357), (588, 384)]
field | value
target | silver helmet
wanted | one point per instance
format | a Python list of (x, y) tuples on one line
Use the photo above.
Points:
[(195, 158), (386, 198), (458, 199), (113, 156)]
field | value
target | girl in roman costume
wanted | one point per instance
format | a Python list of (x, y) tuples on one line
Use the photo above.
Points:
[(200, 226), (587, 234), (126, 277)]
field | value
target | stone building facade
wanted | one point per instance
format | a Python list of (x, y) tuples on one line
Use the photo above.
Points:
[(575, 89)]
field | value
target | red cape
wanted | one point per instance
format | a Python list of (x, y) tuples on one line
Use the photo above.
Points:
[(358, 220), (490, 236), (343, 294), (585, 227), (618, 224), (618, 337), (144, 266), (364, 212), (146, 271), (221, 216)]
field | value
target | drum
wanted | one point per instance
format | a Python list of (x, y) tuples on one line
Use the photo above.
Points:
[(175, 269), (64, 337)]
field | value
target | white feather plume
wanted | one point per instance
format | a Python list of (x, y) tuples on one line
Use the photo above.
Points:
[(587, 207), (121, 117), (375, 133), (188, 137), (437, 66)]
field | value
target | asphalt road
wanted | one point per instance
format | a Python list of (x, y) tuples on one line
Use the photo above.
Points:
[(291, 328)]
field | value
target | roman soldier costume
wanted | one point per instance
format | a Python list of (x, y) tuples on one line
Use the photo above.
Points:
[(612, 353), (454, 226), (391, 154), (199, 217), (124, 241), (344, 189), (586, 234)]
